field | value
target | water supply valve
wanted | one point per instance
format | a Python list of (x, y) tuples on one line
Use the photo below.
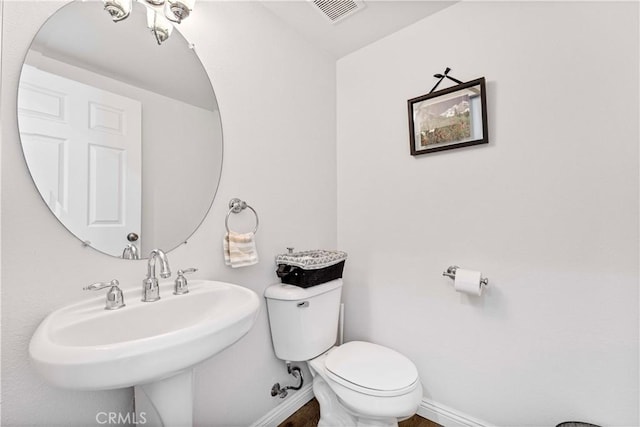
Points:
[(278, 390)]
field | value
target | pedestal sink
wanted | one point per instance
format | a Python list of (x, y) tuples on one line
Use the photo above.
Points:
[(152, 346)]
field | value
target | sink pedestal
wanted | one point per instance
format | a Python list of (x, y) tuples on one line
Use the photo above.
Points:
[(167, 402)]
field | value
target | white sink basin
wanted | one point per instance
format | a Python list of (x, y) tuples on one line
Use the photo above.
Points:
[(85, 347)]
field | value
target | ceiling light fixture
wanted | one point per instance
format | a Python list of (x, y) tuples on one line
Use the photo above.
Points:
[(160, 14)]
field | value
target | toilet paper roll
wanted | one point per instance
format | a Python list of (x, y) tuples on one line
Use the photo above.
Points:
[(468, 282)]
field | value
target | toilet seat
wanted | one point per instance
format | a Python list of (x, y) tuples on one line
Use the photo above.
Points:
[(371, 369)]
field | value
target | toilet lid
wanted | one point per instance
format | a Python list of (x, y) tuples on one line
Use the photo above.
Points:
[(380, 370)]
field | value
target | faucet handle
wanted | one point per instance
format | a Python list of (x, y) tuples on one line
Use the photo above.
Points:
[(181, 286), (101, 285), (115, 298)]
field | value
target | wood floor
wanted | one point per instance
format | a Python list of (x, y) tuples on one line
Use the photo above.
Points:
[(309, 415)]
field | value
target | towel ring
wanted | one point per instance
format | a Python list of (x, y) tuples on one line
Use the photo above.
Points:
[(237, 206)]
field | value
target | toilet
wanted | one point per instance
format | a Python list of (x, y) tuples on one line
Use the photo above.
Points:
[(357, 383)]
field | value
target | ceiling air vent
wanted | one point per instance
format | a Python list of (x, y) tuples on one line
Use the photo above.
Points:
[(337, 10)]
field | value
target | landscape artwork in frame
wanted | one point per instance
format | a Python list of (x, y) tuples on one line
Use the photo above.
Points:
[(449, 118)]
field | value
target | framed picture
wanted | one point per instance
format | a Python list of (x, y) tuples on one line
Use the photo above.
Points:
[(449, 118)]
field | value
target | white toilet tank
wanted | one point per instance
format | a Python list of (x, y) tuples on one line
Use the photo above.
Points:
[(304, 321)]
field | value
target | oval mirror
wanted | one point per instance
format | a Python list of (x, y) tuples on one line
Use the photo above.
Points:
[(122, 136)]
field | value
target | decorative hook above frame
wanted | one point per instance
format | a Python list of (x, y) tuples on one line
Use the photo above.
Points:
[(449, 118)]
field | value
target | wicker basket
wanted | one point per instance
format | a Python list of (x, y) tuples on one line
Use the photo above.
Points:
[(310, 268)]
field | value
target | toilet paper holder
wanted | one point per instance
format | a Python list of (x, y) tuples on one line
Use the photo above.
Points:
[(451, 273)]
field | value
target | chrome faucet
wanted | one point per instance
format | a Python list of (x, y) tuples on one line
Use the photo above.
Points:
[(150, 288), (130, 252)]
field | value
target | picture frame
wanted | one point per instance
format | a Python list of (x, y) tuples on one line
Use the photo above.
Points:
[(449, 118)]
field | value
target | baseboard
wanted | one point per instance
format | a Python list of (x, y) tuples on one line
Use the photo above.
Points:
[(447, 417), (436, 412), (284, 410)]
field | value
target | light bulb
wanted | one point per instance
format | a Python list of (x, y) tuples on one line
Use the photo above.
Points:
[(177, 10), (159, 25), (118, 9)]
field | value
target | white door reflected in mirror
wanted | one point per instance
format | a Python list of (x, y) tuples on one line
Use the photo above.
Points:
[(70, 131)]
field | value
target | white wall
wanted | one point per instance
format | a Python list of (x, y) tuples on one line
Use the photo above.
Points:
[(548, 210), (277, 99), (1, 32)]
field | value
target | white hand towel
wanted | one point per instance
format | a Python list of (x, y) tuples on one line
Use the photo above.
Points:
[(240, 249)]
